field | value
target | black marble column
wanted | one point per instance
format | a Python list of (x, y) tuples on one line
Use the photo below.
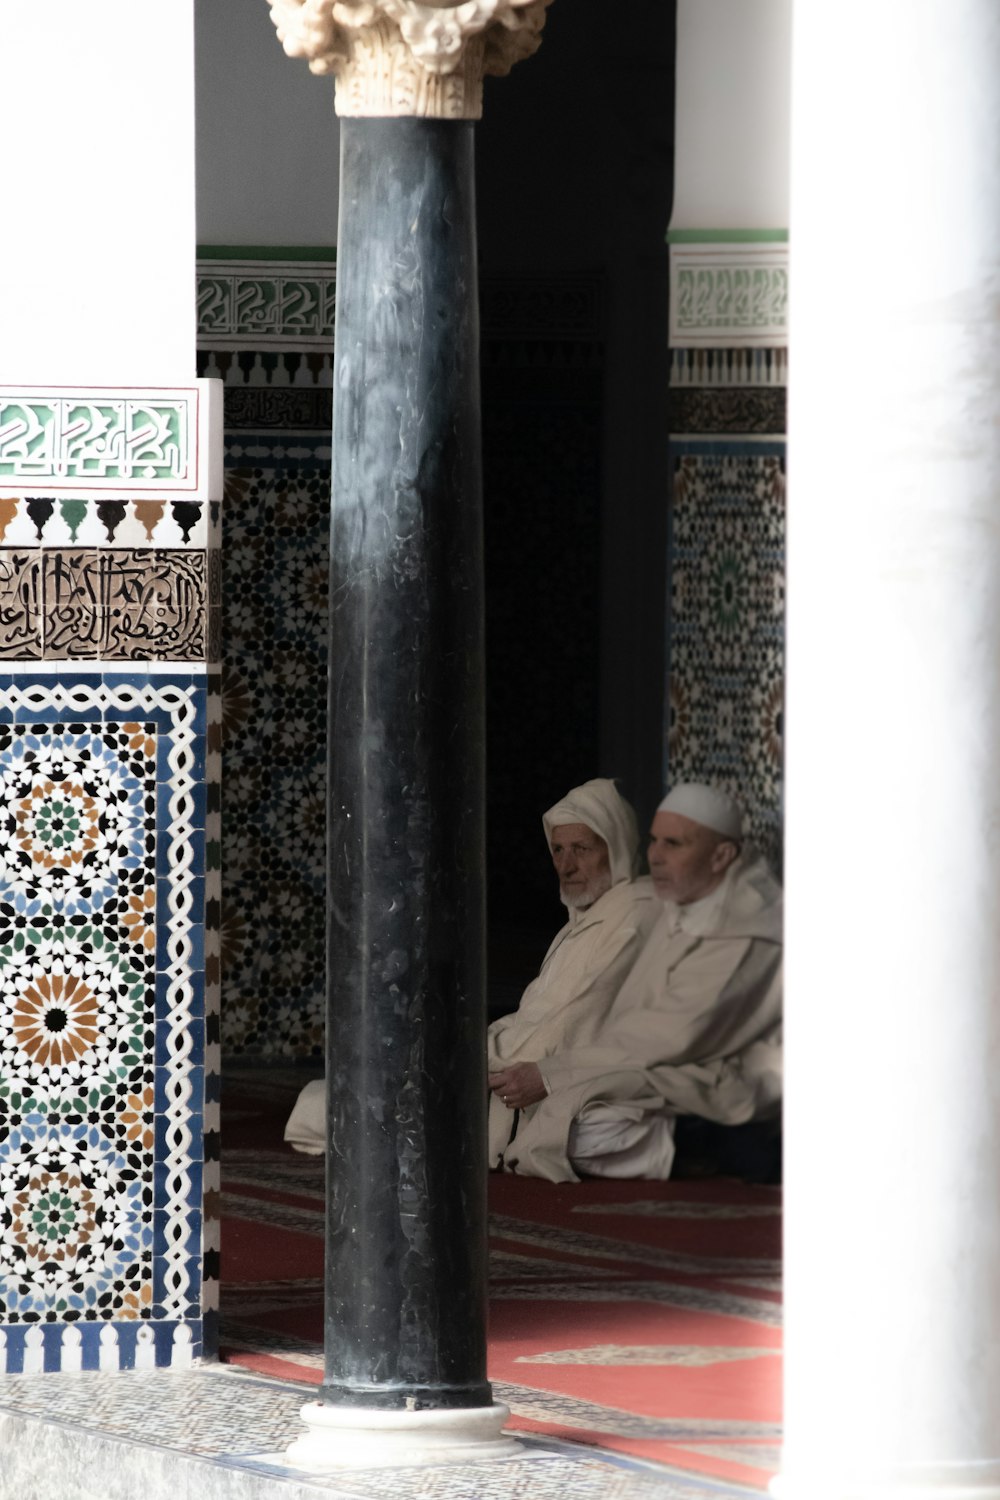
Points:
[(406, 1210)]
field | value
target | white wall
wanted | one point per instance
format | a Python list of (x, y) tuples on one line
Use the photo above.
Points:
[(268, 142), (733, 101), (98, 242)]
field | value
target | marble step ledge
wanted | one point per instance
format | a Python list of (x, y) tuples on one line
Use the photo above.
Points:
[(214, 1434)]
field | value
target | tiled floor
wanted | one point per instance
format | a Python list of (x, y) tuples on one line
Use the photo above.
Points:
[(244, 1423)]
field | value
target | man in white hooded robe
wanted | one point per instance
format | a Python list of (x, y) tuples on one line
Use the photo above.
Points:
[(593, 838), (695, 1028)]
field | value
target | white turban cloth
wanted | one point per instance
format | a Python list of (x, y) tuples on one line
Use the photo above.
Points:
[(600, 806), (706, 805)]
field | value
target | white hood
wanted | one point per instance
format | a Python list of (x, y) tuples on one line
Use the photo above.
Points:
[(601, 806)]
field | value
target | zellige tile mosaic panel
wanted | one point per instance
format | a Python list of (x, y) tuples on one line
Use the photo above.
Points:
[(102, 1006)]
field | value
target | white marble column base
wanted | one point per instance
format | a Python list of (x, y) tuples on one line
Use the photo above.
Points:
[(359, 1437), (960, 1481)]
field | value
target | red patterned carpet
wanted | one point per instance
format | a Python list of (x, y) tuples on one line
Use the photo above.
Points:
[(640, 1317)]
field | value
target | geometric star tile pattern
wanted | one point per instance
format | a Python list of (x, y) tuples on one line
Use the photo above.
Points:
[(726, 633), (72, 818), (103, 820), (274, 724)]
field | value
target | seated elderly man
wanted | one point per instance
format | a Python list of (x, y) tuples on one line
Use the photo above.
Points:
[(594, 842), (695, 1029)]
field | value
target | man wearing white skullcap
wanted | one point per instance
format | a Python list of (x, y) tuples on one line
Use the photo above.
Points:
[(694, 1030), (593, 838)]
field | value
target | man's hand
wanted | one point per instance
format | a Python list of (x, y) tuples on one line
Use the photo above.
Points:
[(519, 1085)]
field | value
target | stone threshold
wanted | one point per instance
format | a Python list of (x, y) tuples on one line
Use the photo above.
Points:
[(215, 1433)]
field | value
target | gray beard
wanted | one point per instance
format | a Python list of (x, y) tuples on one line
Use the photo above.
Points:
[(586, 898)]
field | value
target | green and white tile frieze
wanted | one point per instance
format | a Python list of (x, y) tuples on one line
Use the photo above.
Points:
[(724, 294), (97, 441)]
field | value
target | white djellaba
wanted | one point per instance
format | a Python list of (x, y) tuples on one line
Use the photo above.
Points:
[(694, 1029), (587, 960)]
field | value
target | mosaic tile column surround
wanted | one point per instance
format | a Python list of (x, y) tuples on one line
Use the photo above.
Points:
[(110, 714), (266, 332), (728, 315)]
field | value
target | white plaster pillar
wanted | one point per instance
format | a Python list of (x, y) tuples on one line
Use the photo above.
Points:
[(893, 936), (731, 126), (99, 200)]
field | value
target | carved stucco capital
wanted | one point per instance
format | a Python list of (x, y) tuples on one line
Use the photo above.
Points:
[(410, 57)]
